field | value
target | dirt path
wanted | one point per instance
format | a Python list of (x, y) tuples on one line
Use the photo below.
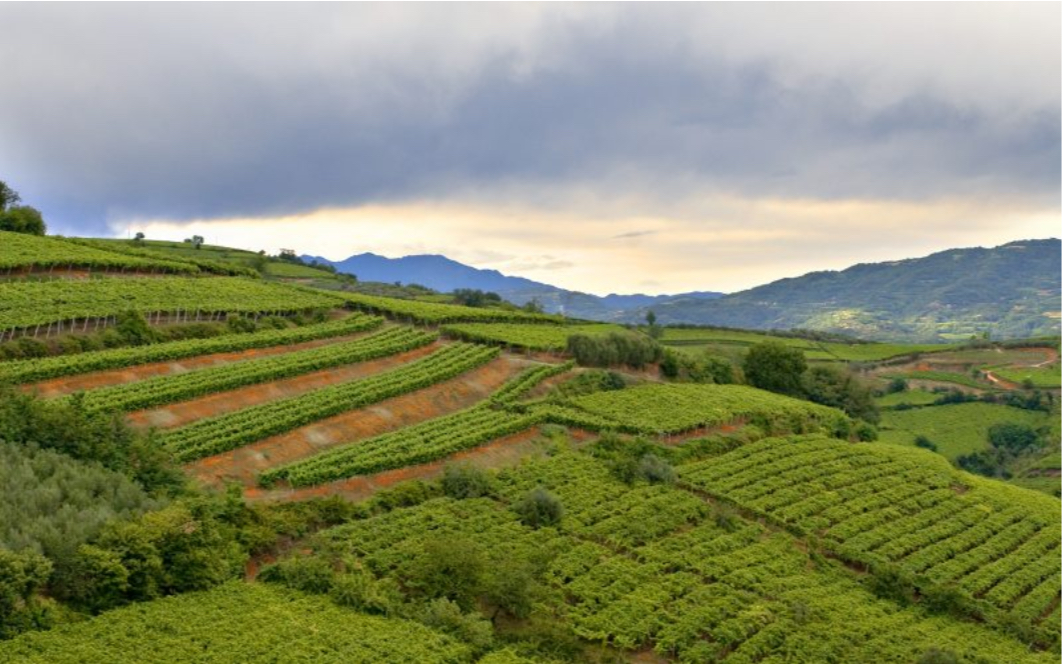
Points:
[(179, 414), (69, 384), (245, 463), (1000, 382), (1052, 357)]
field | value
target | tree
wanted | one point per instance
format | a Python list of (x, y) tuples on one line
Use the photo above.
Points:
[(18, 218), (839, 388), (197, 241), (22, 219), (650, 318), (776, 367), (8, 196), (1013, 437), (139, 237)]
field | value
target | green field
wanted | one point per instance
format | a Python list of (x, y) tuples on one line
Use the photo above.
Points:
[(907, 397), (1043, 377), (533, 337), (288, 270), (956, 429), (965, 380), (738, 341), (673, 408)]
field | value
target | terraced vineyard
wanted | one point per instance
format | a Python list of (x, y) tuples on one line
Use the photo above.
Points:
[(647, 567), (880, 505), (78, 306), (218, 434), (431, 313), (428, 441), (673, 522), (37, 369), (155, 392)]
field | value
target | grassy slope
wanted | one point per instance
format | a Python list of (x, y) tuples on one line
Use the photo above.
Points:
[(956, 428)]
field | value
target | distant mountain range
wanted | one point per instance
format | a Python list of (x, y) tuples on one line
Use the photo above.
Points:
[(443, 274), (1009, 291)]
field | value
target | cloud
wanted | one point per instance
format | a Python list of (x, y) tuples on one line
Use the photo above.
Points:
[(632, 234), (118, 113)]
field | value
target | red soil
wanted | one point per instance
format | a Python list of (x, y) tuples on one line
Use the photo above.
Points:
[(226, 402), (447, 397), (69, 384), (506, 451)]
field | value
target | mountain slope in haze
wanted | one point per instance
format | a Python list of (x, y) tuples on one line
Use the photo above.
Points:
[(1008, 291), (443, 274)]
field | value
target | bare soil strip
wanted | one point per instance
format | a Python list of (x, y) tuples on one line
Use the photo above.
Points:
[(70, 384), (244, 463), (179, 414)]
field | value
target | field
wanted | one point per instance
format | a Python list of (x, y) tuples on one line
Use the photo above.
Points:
[(733, 343), (532, 337), (667, 409), (1045, 377), (620, 518), (907, 397), (82, 305), (237, 622), (956, 429)]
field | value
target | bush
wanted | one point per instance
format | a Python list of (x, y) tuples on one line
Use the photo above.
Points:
[(925, 443), (614, 349), (134, 329), (539, 508), (311, 574), (361, 591), (241, 324), (465, 481), (866, 432), (897, 385), (655, 470), (449, 568), (30, 347)]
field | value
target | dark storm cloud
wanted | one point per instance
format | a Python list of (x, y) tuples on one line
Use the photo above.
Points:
[(200, 111)]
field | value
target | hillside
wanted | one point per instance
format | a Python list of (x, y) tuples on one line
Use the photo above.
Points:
[(218, 468), (1008, 291)]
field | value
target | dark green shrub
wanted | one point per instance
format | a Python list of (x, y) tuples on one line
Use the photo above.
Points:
[(539, 508), (466, 481)]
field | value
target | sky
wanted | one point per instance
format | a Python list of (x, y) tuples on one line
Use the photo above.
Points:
[(653, 148)]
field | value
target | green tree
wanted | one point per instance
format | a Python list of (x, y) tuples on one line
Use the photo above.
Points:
[(22, 219), (775, 367), (8, 196), (22, 575), (839, 388), (1013, 437)]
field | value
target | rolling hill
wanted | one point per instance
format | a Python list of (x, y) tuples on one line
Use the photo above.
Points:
[(1008, 291)]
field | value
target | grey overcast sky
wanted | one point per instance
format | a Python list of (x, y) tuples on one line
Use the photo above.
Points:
[(601, 147)]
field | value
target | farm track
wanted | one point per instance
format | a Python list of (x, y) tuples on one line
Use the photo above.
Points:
[(220, 403), (450, 396), (69, 384)]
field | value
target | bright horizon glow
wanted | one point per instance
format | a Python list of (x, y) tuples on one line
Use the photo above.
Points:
[(723, 244)]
